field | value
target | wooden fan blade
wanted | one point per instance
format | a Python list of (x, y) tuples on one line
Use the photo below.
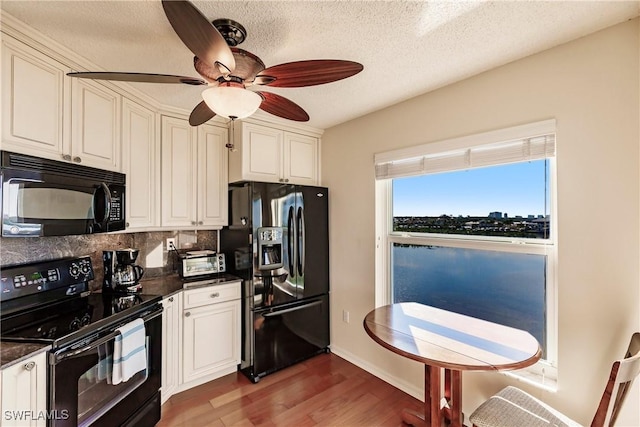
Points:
[(308, 73), (137, 77), (198, 33), (282, 107), (200, 114)]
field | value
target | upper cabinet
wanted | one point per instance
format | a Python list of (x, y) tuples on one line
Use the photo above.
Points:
[(212, 176), (194, 174), (268, 154), (39, 101), (95, 138), (141, 163), (35, 98)]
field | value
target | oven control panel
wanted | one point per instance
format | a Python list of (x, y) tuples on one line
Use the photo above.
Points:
[(27, 279)]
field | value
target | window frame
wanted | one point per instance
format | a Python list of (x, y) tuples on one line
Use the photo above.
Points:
[(543, 373)]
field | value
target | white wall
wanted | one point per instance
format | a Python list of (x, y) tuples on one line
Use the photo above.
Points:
[(591, 87)]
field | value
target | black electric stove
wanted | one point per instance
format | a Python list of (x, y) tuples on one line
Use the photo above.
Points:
[(73, 318), (49, 302)]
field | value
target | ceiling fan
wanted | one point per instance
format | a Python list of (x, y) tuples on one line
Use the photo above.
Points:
[(228, 70)]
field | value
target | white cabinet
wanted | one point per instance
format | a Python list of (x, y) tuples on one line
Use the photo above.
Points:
[(35, 101), (141, 163), (171, 339), (45, 113), (212, 198), (95, 137), (24, 392), (194, 175), (300, 159), (211, 332), (268, 154)]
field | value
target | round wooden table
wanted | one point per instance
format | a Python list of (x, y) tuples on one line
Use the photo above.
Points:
[(448, 343)]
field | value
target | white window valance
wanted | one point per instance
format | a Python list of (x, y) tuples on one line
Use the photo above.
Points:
[(523, 143)]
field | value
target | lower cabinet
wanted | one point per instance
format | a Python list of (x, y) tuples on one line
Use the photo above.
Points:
[(211, 332), (201, 336), (24, 392)]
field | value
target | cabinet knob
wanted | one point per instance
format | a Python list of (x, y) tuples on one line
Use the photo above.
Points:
[(29, 366), (187, 314), (200, 222), (193, 223), (215, 295), (77, 159), (286, 180), (66, 157), (170, 299)]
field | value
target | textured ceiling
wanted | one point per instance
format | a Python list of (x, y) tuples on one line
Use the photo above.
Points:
[(407, 48)]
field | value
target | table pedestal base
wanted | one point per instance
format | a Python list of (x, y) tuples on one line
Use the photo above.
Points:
[(438, 410)]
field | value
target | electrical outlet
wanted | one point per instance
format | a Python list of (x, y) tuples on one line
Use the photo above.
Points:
[(171, 243), (345, 316)]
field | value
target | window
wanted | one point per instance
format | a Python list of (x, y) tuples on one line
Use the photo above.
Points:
[(468, 225)]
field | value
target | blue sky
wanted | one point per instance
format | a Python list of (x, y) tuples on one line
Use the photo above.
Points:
[(517, 189)]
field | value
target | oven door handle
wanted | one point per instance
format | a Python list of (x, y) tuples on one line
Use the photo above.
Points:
[(60, 355)]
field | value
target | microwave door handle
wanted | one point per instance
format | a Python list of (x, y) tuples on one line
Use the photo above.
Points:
[(107, 204), (108, 200)]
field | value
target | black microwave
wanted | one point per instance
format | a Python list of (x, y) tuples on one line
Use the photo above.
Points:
[(42, 197)]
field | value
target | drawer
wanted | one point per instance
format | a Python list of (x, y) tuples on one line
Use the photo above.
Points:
[(211, 295)]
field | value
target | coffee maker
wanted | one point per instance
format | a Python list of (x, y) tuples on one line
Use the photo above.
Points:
[(120, 272)]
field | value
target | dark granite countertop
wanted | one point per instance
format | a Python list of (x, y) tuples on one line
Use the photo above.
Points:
[(15, 352), (172, 283)]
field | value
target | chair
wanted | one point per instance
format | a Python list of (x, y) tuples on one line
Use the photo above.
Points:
[(512, 407)]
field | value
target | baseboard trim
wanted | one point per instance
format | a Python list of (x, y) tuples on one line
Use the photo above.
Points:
[(374, 370)]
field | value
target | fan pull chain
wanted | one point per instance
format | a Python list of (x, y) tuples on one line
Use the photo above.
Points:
[(231, 145)]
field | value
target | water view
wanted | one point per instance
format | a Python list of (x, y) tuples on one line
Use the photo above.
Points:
[(506, 288)]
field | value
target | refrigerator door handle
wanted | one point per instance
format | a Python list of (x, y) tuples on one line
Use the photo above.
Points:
[(301, 241), (291, 233), (292, 309)]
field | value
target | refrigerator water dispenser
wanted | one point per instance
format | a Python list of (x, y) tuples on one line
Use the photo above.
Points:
[(270, 248)]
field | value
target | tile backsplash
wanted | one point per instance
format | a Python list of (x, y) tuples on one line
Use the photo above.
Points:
[(152, 257)]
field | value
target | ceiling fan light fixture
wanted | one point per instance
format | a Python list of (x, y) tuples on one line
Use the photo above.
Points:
[(231, 101)]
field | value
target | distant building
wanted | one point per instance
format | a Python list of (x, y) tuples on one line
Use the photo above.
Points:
[(496, 215)]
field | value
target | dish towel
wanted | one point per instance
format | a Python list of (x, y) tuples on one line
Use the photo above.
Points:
[(129, 351)]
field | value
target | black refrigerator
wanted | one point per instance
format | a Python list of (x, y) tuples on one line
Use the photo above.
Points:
[(277, 242)]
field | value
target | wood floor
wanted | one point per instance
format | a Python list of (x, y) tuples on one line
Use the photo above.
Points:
[(323, 391)]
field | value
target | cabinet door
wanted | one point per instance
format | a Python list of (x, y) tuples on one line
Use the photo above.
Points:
[(179, 172), (212, 176), (300, 159), (95, 140), (211, 339), (24, 392), (261, 153), (171, 330), (33, 101), (141, 163)]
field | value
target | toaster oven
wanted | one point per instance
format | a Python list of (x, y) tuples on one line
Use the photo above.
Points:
[(201, 263)]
